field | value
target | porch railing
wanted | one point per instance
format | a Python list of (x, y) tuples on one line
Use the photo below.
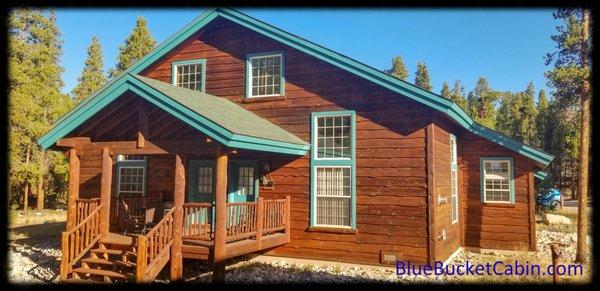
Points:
[(245, 220), (84, 208), (196, 221), (75, 243), (154, 249)]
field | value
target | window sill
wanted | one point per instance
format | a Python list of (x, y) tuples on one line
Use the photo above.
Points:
[(499, 205), (263, 99), (332, 230)]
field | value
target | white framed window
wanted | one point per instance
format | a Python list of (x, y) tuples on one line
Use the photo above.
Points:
[(333, 195), (333, 169), (453, 180), (333, 137), (131, 170), (205, 180), (246, 181), (497, 180), (190, 74), (264, 73)]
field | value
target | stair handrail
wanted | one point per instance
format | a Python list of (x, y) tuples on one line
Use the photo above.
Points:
[(153, 248), (76, 242)]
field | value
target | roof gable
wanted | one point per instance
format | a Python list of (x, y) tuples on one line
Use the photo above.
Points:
[(217, 117), (406, 89)]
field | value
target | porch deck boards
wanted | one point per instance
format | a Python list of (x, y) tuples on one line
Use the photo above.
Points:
[(201, 249)]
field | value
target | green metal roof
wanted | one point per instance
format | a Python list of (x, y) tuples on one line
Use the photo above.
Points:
[(224, 112), (217, 117), (406, 89), (540, 175)]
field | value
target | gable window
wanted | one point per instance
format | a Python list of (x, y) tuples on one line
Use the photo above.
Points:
[(497, 180), (333, 169), (189, 74), (264, 73), (453, 180), (132, 175)]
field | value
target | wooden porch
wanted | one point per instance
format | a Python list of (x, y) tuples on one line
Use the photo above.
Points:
[(93, 252)]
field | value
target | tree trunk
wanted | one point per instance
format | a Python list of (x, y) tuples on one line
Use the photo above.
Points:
[(573, 179), (40, 184), (26, 192), (582, 248)]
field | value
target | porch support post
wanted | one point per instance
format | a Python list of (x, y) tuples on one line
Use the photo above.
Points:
[(219, 251), (105, 188), (178, 197), (73, 189)]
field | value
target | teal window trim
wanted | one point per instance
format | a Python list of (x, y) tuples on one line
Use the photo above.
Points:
[(249, 73), (130, 164), (324, 162), (233, 175), (193, 166), (511, 182), (189, 62), (454, 170)]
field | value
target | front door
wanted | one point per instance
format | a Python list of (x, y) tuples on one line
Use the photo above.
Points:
[(242, 184)]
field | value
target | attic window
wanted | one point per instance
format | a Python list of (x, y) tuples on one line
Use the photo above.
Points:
[(264, 74), (190, 74)]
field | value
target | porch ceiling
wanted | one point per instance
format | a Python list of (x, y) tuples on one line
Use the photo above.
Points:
[(218, 118)]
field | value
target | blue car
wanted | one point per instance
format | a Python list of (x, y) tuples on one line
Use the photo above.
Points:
[(550, 199)]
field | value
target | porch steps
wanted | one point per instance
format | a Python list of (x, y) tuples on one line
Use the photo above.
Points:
[(82, 281), (93, 261), (112, 275)]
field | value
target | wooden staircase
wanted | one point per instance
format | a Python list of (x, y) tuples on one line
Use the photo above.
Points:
[(112, 259)]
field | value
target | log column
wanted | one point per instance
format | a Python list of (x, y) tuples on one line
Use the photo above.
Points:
[(178, 197), (219, 251), (73, 189), (105, 188)]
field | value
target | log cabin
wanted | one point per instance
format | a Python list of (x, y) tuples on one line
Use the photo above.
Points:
[(235, 137)]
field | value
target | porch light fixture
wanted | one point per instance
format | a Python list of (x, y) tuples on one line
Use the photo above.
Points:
[(266, 180)]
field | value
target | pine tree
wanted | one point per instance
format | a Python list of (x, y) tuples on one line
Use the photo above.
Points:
[(138, 44), (542, 121), (508, 114), (481, 103), (528, 115), (570, 79), (92, 77), (35, 100), (458, 95), (422, 77), (398, 69), (445, 91)]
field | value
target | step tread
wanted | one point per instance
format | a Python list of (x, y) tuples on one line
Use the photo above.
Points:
[(117, 239), (108, 262), (99, 272), (113, 252)]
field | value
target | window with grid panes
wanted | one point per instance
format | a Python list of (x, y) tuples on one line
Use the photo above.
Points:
[(205, 180), (132, 174), (333, 195), (496, 180), (333, 137), (246, 181), (453, 180), (189, 75), (265, 75)]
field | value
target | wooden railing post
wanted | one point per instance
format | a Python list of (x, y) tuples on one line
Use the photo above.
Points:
[(142, 259), (287, 210), (219, 249), (73, 189), (64, 263), (105, 187), (178, 197), (259, 221)]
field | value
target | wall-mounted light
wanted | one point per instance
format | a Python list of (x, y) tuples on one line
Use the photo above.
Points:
[(266, 180)]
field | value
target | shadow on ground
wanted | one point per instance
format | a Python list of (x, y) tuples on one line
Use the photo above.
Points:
[(40, 244)]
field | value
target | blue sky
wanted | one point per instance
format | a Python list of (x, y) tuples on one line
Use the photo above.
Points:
[(505, 46)]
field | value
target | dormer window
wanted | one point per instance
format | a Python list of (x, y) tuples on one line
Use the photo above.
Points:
[(189, 74), (264, 75)]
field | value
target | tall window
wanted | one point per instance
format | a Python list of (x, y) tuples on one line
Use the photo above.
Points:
[(333, 169), (189, 74), (497, 180), (265, 75), (453, 179), (132, 175)]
